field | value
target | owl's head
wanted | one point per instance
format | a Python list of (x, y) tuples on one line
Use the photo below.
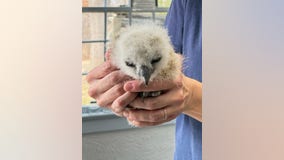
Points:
[(142, 51)]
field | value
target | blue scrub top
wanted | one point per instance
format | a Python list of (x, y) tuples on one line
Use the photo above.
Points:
[(184, 24)]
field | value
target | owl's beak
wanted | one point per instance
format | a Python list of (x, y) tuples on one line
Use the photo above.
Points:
[(145, 72)]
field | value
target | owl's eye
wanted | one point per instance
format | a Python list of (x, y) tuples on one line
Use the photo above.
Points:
[(156, 60), (130, 64)]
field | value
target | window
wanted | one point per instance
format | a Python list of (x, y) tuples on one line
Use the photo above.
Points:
[(102, 18)]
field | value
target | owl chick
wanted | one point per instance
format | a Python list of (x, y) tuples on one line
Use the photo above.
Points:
[(145, 52)]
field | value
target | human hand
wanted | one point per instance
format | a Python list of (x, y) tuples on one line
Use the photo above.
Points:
[(106, 86), (177, 97)]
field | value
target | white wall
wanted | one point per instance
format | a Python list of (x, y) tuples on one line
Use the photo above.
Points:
[(152, 143)]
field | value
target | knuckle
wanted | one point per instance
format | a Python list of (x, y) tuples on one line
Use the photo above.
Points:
[(154, 117), (88, 78), (92, 93), (179, 83), (101, 102), (150, 104), (181, 97), (114, 77), (120, 103), (119, 89)]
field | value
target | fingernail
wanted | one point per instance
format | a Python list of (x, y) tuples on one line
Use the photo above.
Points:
[(125, 113)]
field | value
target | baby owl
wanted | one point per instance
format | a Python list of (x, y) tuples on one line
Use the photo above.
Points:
[(145, 52)]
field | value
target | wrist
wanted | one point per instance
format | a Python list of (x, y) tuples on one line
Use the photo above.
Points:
[(193, 98)]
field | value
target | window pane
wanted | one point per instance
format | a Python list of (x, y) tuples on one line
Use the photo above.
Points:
[(110, 3), (86, 99), (93, 55), (117, 3), (164, 3), (160, 17), (137, 17), (116, 21), (93, 26), (144, 4), (93, 3)]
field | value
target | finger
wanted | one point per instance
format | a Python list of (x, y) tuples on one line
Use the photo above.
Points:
[(146, 124), (100, 86), (120, 114), (107, 55), (108, 106), (110, 95), (121, 102), (156, 85), (100, 71), (171, 97), (152, 115)]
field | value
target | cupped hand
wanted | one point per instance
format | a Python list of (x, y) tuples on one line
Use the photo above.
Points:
[(156, 110), (106, 86)]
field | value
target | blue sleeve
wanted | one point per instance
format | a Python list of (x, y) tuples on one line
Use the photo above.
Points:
[(174, 23), (184, 24)]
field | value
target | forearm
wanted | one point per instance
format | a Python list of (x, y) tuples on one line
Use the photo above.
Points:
[(193, 102)]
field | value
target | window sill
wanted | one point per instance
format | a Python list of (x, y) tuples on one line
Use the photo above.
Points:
[(95, 120)]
